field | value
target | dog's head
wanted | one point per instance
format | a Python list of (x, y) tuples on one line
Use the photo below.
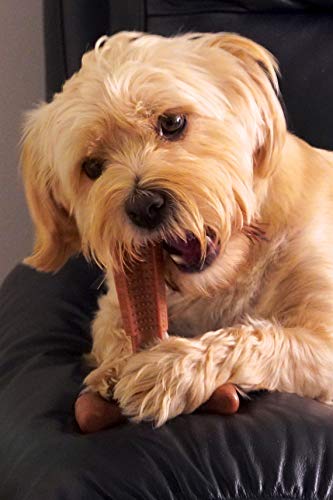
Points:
[(156, 139)]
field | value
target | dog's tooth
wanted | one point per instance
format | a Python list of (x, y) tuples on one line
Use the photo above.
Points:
[(177, 259)]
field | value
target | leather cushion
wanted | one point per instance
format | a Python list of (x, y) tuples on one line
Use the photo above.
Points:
[(277, 446)]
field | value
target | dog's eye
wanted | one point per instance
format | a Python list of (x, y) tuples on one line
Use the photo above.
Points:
[(171, 126), (93, 168)]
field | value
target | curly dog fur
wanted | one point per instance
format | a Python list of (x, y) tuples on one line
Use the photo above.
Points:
[(261, 314)]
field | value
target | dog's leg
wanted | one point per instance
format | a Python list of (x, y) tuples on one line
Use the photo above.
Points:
[(178, 375), (111, 346)]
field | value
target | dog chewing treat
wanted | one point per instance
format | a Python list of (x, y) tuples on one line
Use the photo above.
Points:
[(178, 148)]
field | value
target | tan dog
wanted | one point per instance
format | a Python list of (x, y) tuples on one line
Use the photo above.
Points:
[(184, 140)]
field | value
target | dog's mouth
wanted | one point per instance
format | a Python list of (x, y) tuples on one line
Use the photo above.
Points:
[(186, 253)]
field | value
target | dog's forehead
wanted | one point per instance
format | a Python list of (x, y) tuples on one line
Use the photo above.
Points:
[(134, 77), (125, 85)]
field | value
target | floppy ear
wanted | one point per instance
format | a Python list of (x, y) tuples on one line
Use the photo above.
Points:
[(56, 237), (262, 69)]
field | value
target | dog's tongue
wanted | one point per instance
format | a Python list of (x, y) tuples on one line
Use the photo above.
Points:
[(188, 251), (187, 254)]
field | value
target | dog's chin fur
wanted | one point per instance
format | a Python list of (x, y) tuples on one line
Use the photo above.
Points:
[(234, 170)]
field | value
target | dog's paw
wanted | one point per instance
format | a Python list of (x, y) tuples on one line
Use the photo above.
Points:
[(164, 381), (102, 381), (105, 376), (110, 356)]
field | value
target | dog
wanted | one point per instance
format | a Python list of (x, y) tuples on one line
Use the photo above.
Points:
[(183, 140)]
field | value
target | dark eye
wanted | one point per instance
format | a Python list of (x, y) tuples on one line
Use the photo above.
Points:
[(171, 126), (93, 168)]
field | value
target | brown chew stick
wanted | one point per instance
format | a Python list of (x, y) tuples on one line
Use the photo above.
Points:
[(142, 300), (142, 297)]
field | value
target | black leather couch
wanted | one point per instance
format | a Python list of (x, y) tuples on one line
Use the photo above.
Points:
[(278, 446)]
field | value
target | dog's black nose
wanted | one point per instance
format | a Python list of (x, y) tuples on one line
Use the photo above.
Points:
[(147, 209)]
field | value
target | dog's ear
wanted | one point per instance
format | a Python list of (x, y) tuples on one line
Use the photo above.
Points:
[(56, 237), (248, 51), (261, 70)]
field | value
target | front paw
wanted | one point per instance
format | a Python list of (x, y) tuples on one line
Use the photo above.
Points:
[(164, 381), (101, 380), (105, 376), (110, 356)]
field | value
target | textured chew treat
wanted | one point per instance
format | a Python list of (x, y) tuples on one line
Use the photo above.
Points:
[(93, 413), (142, 297), (142, 300)]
